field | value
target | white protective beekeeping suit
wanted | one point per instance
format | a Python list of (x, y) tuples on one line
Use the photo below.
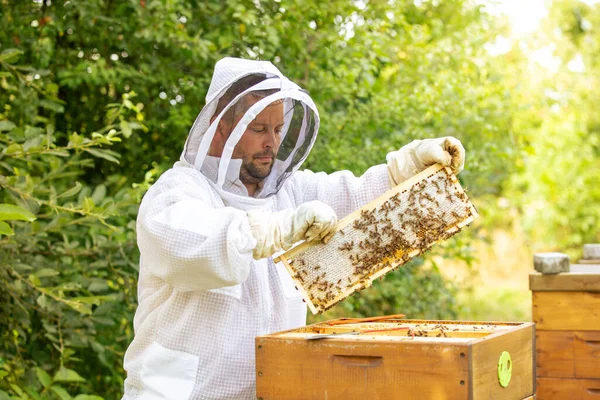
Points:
[(202, 296)]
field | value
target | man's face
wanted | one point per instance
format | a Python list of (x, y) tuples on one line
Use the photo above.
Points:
[(259, 144)]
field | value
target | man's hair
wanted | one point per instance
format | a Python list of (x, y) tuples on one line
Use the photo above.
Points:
[(244, 103)]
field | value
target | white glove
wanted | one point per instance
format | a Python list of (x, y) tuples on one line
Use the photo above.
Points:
[(420, 154), (281, 230)]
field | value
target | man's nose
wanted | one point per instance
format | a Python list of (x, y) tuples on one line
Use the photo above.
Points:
[(270, 138)]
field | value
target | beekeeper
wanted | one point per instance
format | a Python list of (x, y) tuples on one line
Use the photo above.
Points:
[(208, 227)]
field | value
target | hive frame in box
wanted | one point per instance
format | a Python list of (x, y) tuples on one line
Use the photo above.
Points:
[(356, 282)]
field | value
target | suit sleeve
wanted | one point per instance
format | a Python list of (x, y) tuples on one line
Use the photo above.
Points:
[(188, 243)]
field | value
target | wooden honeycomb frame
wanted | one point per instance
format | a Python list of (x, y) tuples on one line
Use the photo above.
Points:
[(391, 245)]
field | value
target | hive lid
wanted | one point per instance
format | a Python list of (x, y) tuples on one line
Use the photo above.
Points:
[(585, 278)]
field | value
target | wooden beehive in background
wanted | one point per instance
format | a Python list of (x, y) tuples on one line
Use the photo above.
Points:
[(444, 360), (381, 236), (566, 310)]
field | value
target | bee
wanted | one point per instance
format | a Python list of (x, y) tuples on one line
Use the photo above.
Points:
[(347, 246)]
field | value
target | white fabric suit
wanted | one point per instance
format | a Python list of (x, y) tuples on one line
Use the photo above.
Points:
[(202, 297)]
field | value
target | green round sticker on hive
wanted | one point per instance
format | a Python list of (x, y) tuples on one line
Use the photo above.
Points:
[(504, 369)]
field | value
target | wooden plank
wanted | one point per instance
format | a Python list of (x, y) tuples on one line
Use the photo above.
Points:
[(568, 389), (587, 354), (519, 343), (349, 369), (555, 354), (566, 354), (566, 310), (578, 282)]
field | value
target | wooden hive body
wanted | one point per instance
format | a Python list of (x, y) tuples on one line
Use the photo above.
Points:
[(566, 310), (381, 236), (444, 360)]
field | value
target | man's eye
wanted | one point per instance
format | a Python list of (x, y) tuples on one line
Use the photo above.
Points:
[(258, 130)]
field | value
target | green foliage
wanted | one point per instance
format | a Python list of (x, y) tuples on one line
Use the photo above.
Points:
[(556, 190), (12, 212), (67, 246)]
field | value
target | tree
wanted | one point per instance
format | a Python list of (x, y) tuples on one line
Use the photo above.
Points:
[(556, 189)]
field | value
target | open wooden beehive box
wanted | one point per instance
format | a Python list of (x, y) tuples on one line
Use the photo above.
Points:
[(383, 235), (398, 359)]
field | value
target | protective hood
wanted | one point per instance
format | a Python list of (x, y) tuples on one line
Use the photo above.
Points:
[(239, 91)]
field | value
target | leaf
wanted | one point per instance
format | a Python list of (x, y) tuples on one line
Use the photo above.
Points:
[(97, 300), (34, 143), (12, 212), (43, 377), (126, 128), (75, 139), (4, 395), (127, 103), (13, 148), (44, 272), (62, 393), (88, 397), (58, 152), (52, 106), (74, 190), (42, 301), (33, 393), (106, 154), (79, 307), (67, 375), (5, 229), (88, 204), (99, 194), (20, 267), (34, 280), (98, 285), (9, 55), (17, 389), (6, 125)]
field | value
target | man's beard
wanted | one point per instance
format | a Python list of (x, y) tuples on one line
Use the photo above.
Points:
[(251, 172)]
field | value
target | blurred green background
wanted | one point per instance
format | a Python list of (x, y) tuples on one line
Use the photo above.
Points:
[(97, 98)]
